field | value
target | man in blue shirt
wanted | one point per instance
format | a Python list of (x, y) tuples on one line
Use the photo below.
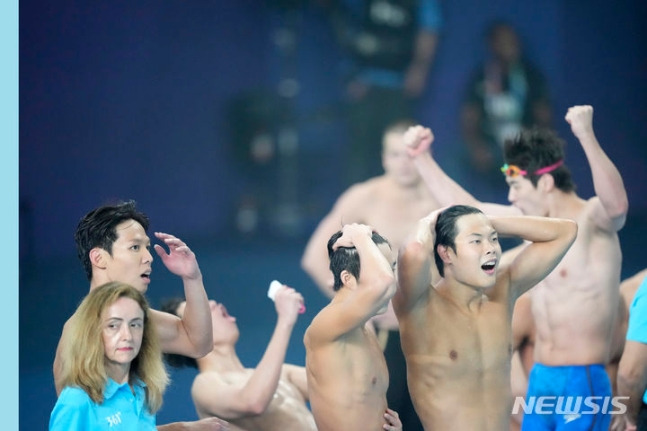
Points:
[(632, 371)]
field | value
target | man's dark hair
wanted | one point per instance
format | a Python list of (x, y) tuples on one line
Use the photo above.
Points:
[(177, 361), (446, 230), (537, 148), (347, 258), (98, 229)]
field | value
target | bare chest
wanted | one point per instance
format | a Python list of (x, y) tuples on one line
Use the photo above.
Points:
[(460, 344)]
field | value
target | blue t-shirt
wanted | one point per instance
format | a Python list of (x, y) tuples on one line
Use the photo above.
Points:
[(637, 330), (121, 410)]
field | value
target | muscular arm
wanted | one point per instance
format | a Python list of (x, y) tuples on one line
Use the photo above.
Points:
[(192, 334), (632, 377), (219, 397), (416, 269), (315, 261), (611, 212), (444, 189), (373, 290), (550, 240)]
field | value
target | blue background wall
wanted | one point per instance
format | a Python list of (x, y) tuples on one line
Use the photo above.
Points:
[(129, 100)]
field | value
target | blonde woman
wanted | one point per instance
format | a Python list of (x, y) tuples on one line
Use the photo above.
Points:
[(113, 375)]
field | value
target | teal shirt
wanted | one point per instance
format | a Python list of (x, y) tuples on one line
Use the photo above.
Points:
[(121, 410), (637, 330)]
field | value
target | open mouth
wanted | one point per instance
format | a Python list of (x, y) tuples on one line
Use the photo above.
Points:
[(488, 267), (225, 314)]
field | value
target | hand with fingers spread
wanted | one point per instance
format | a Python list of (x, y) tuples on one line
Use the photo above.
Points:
[(393, 422), (180, 260)]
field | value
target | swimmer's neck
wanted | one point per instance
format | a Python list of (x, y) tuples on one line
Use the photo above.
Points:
[(468, 299)]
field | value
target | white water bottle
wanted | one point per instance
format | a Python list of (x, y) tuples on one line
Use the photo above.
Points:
[(274, 287)]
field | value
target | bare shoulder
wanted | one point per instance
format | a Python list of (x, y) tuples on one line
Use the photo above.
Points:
[(326, 327), (351, 204), (316, 331), (365, 189), (206, 381)]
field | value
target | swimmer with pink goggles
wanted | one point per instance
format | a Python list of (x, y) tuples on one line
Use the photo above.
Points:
[(514, 171)]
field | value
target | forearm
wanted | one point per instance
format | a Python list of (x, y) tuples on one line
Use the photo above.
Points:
[(632, 373), (175, 426), (414, 273), (375, 270), (443, 188), (262, 385), (197, 316), (534, 229), (607, 181), (633, 389)]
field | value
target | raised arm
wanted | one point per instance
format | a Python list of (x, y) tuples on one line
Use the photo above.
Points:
[(315, 260), (550, 239), (364, 296), (443, 188), (192, 334), (611, 212), (417, 271), (232, 399)]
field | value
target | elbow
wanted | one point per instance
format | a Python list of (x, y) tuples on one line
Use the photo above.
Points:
[(388, 285), (305, 264), (200, 348), (257, 407), (619, 214), (309, 265)]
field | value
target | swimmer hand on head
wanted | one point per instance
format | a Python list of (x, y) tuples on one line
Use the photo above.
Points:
[(350, 231)]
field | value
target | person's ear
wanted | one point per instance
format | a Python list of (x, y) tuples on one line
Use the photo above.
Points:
[(546, 183), (443, 252), (98, 257), (346, 277)]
